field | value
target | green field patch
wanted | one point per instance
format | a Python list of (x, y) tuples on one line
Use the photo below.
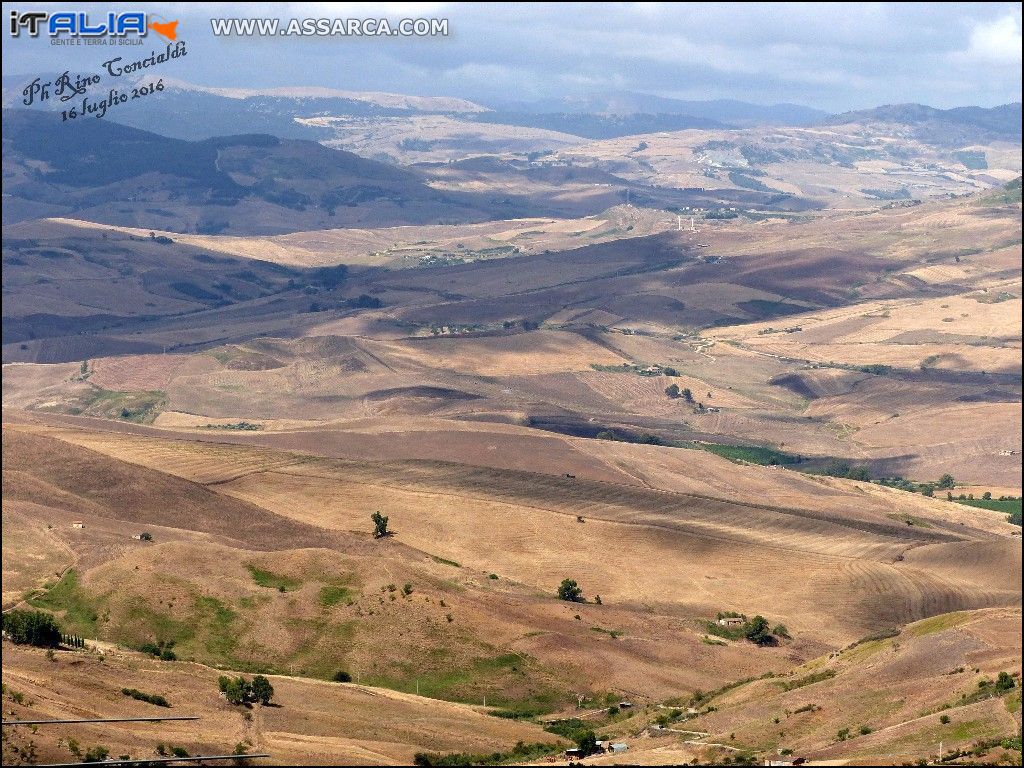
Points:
[(271, 580), (973, 159), (78, 611), (752, 454), (1008, 195), (903, 517), (508, 681), (139, 407), (1010, 507), (800, 682), (332, 594), (139, 622), (216, 622), (520, 753), (936, 624), (444, 561)]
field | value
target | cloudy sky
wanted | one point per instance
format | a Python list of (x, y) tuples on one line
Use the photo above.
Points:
[(831, 56)]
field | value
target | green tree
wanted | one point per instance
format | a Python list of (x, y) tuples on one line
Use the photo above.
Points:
[(688, 395), (672, 390), (237, 690), (570, 591), (380, 525), (32, 628), (586, 742), (341, 676), (986, 495), (1004, 682), (261, 689), (946, 481), (859, 473), (928, 491), (757, 631)]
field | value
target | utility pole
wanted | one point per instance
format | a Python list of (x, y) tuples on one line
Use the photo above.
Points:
[(679, 223)]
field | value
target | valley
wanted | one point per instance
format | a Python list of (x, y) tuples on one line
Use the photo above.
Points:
[(709, 374)]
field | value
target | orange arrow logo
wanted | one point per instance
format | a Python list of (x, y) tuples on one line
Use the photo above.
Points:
[(169, 30)]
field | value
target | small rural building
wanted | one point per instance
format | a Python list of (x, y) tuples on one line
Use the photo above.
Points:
[(625, 704), (574, 752), (619, 747), (78, 524), (730, 621)]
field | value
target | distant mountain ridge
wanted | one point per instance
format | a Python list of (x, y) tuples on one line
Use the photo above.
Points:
[(943, 127), (729, 112), (241, 184)]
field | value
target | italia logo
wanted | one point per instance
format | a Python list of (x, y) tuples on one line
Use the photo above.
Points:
[(78, 24)]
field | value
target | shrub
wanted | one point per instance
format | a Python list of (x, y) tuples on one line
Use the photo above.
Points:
[(341, 676), (944, 719), (380, 525), (95, 754), (138, 695)]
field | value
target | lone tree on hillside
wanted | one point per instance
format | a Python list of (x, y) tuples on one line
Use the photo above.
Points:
[(380, 525), (688, 395), (672, 390), (570, 591)]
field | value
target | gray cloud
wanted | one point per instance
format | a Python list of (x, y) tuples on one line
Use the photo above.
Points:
[(832, 56)]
